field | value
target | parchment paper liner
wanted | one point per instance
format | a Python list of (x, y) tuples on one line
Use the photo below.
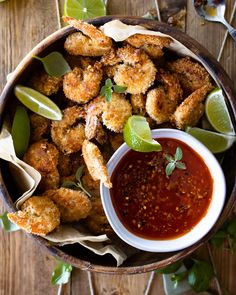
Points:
[(27, 178)]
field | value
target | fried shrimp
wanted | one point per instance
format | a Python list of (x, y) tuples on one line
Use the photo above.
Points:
[(116, 112), (91, 42), (93, 127), (191, 109), (68, 134), (82, 85), (73, 204), (95, 163), (96, 221), (45, 83), (43, 156), (136, 72), (39, 127), (191, 74), (138, 102), (152, 45), (38, 215), (162, 101), (91, 185)]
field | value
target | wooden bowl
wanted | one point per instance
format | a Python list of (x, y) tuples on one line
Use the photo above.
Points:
[(143, 261)]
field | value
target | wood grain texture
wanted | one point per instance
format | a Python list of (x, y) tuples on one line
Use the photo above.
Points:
[(25, 268)]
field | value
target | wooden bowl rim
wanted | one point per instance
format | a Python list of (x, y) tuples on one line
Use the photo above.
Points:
[(224, 82)]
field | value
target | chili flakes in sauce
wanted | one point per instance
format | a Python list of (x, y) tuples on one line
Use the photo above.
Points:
[(154, 206)]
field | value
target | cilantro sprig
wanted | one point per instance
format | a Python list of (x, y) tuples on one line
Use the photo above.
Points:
[(174, 162), (61, 274), (78, 183), (198, 274), (6, 224), (109, 88)]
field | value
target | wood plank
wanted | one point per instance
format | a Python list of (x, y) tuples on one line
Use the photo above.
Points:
[(135, 7)]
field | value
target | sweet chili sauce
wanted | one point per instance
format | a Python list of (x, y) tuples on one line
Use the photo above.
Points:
[(154, 206)]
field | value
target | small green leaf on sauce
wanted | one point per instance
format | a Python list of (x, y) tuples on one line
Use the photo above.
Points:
[(55, 64), (178, 154), (20, 131), (170, 168), (37, 102), (180, 165), (61, 273), (6, 224), (200, 275)]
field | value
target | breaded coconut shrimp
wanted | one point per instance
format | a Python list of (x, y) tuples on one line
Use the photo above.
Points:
[(39, 127), (138, 102), (191, 109), (38, 215), (116, 112), (81, 85), (162, 101), (45, 83), (91, 185), (68, 134), (90, 41), (73, 204), (110, 62), (152, 45), (95, 163), (68, 164), (43, 156), (136, 72), (96, 221), (191, 74)]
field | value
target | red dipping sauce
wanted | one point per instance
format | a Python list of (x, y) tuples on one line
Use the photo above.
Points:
[(153, 206)]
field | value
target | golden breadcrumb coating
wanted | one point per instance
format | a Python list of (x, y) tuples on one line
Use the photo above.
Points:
[(39, 127), (191, 109), (96, 221), (73, 204), (38, 215), (45, 83), (91, 42), (138, 102), (137, 72), (81, 85), (95, 163), (191, 74), (68, 134), (116, 112)]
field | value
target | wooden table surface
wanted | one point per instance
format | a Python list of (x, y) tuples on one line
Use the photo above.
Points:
[(24, 267)]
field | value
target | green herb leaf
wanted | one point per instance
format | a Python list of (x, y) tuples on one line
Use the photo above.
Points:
[(178, 154), (20, 131), (169, 158), (200, 275), (180, 165), (119, 89), (170, 268), (69, 184), (178, 277), (61, 274), (108, 83), (108, 94), (79, 173), (6, 224), (218, 239), (170, 168), (55, 64), (103, 90)]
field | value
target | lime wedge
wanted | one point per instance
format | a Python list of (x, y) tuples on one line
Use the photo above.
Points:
[(137, 135), (217, 112), (37, 102), (215, 142), (84, 9)]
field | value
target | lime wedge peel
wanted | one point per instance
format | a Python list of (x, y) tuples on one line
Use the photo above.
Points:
[(215, 142), (217, 112), (37, 102), (137, 135), (84, 9)]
